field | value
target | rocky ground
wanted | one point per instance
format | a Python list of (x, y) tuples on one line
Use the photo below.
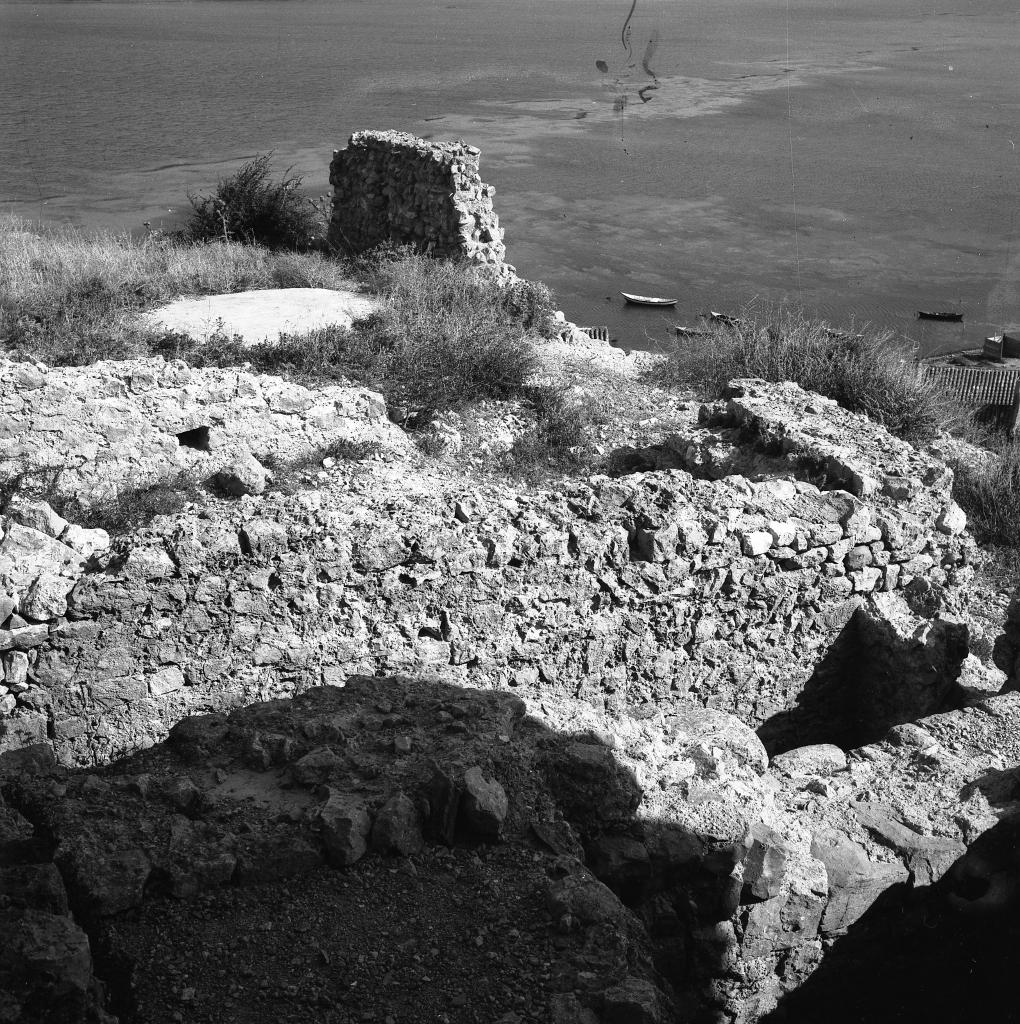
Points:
[(409, 739)]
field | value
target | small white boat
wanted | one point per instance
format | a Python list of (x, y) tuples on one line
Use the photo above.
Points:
[(648, 300)]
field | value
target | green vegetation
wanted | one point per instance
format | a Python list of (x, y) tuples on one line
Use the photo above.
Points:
[(445, 337), (448, 335), (989, 493), (70, 298), (291, 476), (869, 373), (559, 442), (127, 510), (247, 206)]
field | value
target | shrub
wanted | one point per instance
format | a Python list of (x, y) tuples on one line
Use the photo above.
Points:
[(868, 372), (446, 335), (531, 304), (558, 442), (249, 207), (989, 492)]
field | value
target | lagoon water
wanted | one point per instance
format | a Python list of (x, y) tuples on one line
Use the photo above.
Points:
[(858, 158)]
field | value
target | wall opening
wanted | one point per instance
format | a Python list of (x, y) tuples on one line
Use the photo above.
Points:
[(196, 437)]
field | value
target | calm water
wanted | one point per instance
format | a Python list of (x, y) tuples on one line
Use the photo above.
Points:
[(856, 157)]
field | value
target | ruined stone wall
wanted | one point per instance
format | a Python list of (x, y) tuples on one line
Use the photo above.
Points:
[(762, 565), (644, 589), (392, 186)]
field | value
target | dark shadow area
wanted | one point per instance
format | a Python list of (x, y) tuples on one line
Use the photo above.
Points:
[(946, 953), (205, 865), (654, 458), (197, 438), (214, 840), (999, 417), (869, 680)]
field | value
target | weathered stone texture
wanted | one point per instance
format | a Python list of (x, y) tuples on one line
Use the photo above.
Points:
[(635, 590), (94, 431), (392, 186)]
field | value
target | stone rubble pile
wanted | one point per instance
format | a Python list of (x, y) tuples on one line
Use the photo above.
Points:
[(380, 767), (95, 431), (392, 186)]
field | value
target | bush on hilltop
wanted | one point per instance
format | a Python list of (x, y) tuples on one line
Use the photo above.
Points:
[(249, 207)]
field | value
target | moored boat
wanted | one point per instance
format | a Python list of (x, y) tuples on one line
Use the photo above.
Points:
[(725, 318), (647, 300), (927, 314)]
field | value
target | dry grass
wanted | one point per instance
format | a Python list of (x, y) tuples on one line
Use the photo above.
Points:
[(559, 444), (69, 297), (865, 370), (990, 494), (445, 337)]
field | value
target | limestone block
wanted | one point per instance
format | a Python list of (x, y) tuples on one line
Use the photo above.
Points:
[(484, 803), (165, 681), (855, 882), (242, 474), (952, 520), (397, 827), (756, 542), (816, 759), (14, 670), (315, 767), (344, 825), (36, 515), (46, 598), (23, 638), (86, 542), (26, 553), (584, 898), (635, 1001), (781, 922)]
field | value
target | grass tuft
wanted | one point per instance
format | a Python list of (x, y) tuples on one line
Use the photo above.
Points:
[(558, 443), (989, 492), (118, 513), (869, 372), (291, 476)]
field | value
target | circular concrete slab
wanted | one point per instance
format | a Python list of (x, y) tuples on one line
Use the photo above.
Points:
[(259, 316)]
